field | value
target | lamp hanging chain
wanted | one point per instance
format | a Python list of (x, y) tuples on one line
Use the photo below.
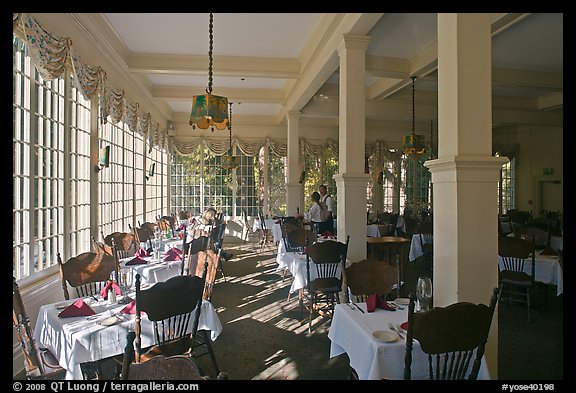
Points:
[(230, 126), (413, 108), (211, 38)]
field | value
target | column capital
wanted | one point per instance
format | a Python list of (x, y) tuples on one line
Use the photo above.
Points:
[(293, 115), (466, 168), (351, 179), (353, 41)]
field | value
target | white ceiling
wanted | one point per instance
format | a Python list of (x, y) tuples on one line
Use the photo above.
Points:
[(259, 57)]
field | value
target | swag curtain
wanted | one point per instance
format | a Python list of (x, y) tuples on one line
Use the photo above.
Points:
[(52, 55)]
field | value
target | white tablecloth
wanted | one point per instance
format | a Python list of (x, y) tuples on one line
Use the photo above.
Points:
[(156, 270), (77, 340), (271, 226), (416, 245), (548, 270), (351, 333), (376, 230)]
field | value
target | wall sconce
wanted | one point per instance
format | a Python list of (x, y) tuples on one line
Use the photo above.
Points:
[(151, 171), (103, 159)]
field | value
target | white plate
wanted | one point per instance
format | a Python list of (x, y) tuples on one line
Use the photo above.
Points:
[(385, 335), (402, 300), (109, 321)]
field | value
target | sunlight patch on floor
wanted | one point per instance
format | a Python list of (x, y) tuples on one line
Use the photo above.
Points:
[(279, 368)]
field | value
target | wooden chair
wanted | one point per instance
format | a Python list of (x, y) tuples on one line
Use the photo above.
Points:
[(101, 248), (369, 276), (297, 238), (125, 244), (328, 260), (191, 249), (88, 273), (148, 227), (452, 337), (141, 235), (160, 367), (217, 239), (207, 264), (38, 363), (515, 284), (174, 308), (263, 232)]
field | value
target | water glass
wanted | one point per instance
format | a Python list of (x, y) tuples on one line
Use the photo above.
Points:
[(424, 293)]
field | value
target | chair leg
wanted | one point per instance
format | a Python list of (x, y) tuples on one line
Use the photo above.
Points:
[(210, 351)]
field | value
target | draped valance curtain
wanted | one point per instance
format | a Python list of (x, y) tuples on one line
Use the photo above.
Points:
[(52, 55)]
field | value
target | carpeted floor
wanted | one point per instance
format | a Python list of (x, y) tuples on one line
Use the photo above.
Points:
[(264, 338)]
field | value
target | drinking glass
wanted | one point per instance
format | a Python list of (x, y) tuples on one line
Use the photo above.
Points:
[(424, 293)]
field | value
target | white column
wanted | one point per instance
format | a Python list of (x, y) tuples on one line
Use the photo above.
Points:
[(293, 187), (465, 175), (351, 180)]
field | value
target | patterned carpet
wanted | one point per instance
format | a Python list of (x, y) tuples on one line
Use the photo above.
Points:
[(264, 337)]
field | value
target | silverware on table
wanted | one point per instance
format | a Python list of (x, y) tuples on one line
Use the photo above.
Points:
[(358, 307), (394, 329)]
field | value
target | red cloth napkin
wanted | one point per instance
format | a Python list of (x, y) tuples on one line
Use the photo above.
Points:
[(376, 301), (77, 309), (142, 253), (327, 234), (404, 325), (130, 308), (110, 285), (174, 251), (172, 256)]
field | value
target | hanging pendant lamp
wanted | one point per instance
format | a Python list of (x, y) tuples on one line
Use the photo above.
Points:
[(414, 145), (209, 110)]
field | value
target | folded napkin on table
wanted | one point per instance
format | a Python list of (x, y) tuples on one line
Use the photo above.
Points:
[(136, 261), (376, 301), (181, 227), (77, 309), (173, 256), (142, 253), (108, 286), (404, 325), (174, 250), (130, 308)]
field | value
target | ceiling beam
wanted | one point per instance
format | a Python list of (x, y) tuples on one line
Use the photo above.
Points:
[(243, 66), (324, 60)]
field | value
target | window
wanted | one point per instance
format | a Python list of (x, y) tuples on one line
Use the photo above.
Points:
[(50, 211), (116, 181), (507, 187), (79, 173), (246, 190)]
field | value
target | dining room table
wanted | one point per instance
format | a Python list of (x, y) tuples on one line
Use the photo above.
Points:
[(375, 351), (81, 339)]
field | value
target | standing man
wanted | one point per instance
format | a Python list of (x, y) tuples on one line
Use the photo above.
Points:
[(327, 199)]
